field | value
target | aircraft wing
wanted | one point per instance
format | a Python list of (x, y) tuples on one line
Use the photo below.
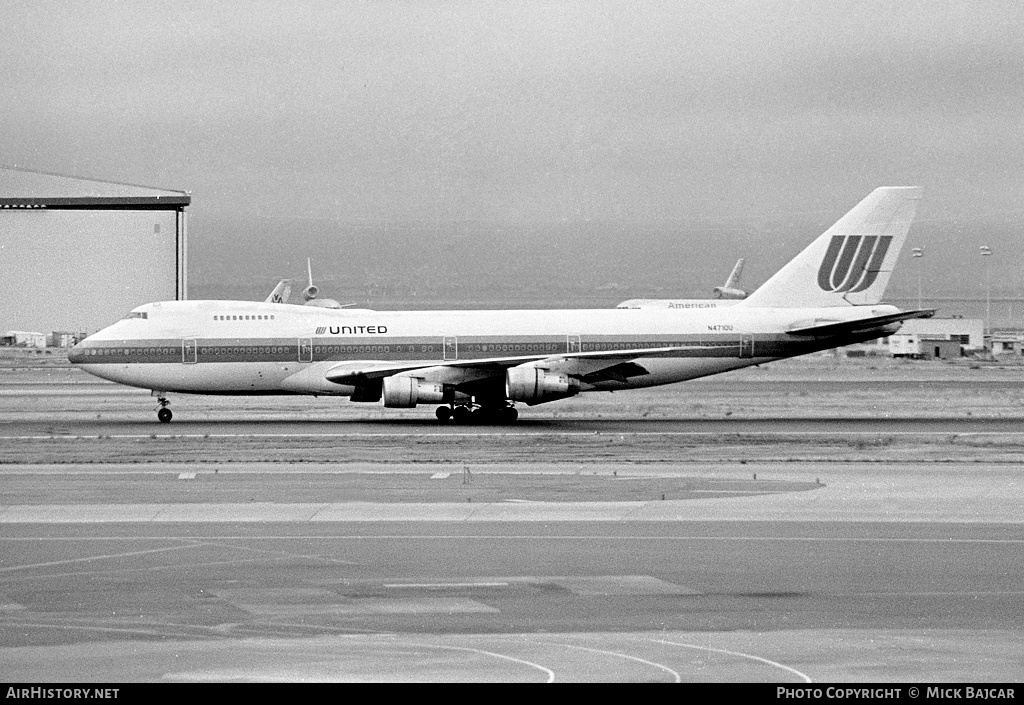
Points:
[(588, 365), (829, 328)]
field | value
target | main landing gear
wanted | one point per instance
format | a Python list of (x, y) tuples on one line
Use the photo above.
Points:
[(162, 412), (475, 413)]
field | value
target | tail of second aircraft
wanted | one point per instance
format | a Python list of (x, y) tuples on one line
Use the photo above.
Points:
[(281, 292), (851, 262), (731, 289)]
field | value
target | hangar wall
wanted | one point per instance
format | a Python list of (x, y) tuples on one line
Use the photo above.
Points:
[(77, 254), (82, 270)]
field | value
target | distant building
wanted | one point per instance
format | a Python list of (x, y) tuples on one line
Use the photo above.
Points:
[(1006, 344), (24, 339), (64, 339), (919, 338), (870, 348), (938, 338)]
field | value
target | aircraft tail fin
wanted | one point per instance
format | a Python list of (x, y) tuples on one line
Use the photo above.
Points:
[(851, 262), (731, 289), (734, 278), (281, 292)]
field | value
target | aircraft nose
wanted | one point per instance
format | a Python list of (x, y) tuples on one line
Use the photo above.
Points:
[(76, 355)]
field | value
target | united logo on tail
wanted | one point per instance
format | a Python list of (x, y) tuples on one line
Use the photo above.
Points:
[(852, 262)]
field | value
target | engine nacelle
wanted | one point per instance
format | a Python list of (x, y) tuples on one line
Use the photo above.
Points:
[(310, 292), (366, 392), (534, 385), (407, 392), (725, 292)]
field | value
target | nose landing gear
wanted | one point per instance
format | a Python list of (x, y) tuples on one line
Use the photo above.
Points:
[(162, 412)]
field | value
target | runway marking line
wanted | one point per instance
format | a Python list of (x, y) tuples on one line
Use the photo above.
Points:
[(148, 569), (548, 671), (513, 537), (675, 675), (129, 554), (775, 664), (64, 626), (192, 542), (444, 434)]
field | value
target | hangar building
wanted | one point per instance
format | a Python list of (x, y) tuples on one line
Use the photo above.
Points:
[(927, 338), (79, 254), (938, 338)]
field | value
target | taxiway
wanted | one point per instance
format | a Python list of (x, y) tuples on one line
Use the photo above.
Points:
[(699, 539)]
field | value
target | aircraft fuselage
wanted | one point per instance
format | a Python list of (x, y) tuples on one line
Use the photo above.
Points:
[(243, 347)]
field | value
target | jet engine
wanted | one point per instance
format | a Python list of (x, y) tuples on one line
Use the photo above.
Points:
[(727, 292), (407, 392), (534, 385), (310, 293)]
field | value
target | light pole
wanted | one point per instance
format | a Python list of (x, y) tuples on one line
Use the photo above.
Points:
[(918, 253), (986, 252)]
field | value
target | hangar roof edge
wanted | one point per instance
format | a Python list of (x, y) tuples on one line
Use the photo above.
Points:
[(27, 189)]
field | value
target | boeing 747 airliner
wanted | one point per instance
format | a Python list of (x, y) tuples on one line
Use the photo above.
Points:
[(479, 364)]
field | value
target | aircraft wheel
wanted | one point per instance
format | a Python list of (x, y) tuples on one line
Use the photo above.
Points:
[(508, 414), (164, 415), (443, 413), (462, 414)]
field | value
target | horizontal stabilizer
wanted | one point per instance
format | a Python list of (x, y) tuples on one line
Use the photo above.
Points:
[(830, 328)]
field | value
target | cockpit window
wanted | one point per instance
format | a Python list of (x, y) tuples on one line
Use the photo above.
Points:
[(137, 314)]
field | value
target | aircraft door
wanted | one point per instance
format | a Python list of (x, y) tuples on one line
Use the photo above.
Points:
[(451, 348), (572, 344), (746, 345), (188, 351), (305, 350)]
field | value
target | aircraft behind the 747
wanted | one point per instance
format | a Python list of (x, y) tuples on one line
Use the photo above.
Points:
[(480, 364), (731, 289), (725, 295), (283, 290)]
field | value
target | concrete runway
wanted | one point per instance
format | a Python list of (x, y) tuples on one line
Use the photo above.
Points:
[(248, 545)]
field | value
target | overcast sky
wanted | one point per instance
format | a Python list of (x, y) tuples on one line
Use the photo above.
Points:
[(531, 112)]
